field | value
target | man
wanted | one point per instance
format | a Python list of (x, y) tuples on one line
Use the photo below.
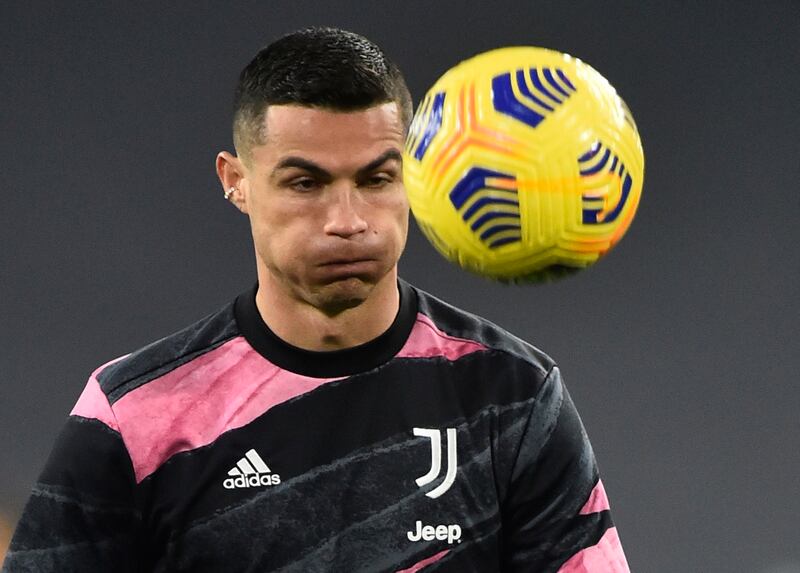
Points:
[(333, 418)]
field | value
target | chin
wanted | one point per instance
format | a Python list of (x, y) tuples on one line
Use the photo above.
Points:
[(342, 295)]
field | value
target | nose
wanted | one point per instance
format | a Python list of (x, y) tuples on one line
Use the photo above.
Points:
[(343, 218)]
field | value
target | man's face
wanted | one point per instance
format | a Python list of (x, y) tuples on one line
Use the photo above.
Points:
[(327, 207)]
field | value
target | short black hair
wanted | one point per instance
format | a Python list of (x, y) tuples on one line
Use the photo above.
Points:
[(327, 68)]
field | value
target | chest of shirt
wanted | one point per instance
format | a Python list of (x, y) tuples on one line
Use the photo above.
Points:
[(396, 465)]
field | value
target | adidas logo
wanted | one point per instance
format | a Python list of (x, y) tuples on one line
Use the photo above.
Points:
[(250, 471)]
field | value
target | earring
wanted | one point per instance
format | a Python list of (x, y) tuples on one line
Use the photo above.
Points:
[(229, 192)]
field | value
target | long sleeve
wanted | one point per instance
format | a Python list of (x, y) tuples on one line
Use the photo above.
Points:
[(556, 516), (81, 514)]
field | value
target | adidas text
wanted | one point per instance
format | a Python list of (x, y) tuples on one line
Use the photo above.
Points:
[(451, 533), (256, 480), (250, 471)]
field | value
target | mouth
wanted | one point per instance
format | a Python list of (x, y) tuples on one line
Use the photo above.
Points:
[(347, 263), (353, 261), (338, 268)]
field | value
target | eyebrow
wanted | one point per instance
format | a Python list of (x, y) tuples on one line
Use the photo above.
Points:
[(388, 155), (316, 170)]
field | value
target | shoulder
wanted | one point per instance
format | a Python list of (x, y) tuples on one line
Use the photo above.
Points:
[(458, 323), (129, 372)]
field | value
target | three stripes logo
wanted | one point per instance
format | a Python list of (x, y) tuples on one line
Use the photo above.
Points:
[(250, 471), (435, 436), (493, 205), (606, 184), (539, 92)]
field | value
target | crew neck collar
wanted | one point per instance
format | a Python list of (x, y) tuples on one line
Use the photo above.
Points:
[(326, 364)]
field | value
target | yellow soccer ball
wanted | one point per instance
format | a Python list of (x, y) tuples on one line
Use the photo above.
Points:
[(523, 164)]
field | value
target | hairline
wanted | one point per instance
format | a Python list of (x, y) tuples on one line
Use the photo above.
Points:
[(256, 135)]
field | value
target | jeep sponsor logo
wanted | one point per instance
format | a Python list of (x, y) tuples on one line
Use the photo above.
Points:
[(450, 533)]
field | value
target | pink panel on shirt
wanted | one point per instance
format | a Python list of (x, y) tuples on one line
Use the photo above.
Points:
[(194, 404), (597, 502), (228, 388), (605, 557), (426, 341), (93, 402), (425, 562)]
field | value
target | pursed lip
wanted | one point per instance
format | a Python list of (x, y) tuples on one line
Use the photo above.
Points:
[(347, 267), (350, 256), (339, 262)]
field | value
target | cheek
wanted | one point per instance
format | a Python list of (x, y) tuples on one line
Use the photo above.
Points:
[(396, 224), (402, 213), (271, 231)]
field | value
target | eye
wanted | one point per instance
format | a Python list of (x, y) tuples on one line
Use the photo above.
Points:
[(303, 184), (377, 181)]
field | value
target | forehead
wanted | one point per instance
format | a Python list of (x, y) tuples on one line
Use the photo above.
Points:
[(309, 132)]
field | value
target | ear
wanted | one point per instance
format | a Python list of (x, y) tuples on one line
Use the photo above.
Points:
[(233, 176)]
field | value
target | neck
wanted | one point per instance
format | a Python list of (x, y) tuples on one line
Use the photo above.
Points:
[(303, 325)]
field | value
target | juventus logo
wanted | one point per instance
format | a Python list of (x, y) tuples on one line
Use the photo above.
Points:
[(435, 437)]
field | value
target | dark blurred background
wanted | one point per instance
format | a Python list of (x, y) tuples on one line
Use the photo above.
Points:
[(680, 348)]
